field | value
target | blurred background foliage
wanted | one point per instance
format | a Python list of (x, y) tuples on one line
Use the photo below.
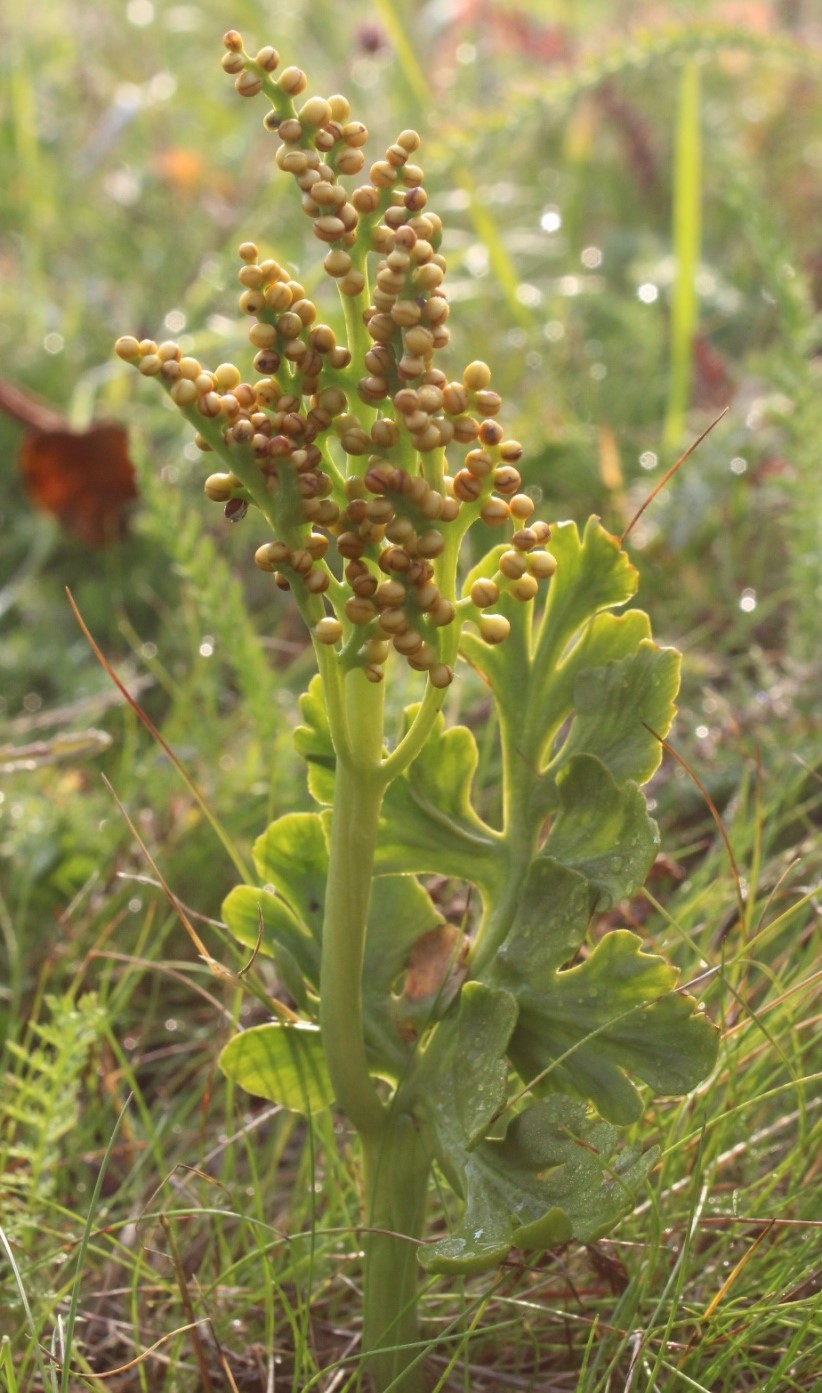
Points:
[(631, 196)]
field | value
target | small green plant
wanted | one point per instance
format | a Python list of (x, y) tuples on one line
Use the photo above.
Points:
[(503, 1055)]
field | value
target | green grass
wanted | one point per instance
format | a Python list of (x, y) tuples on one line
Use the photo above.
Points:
[(144, 1205)]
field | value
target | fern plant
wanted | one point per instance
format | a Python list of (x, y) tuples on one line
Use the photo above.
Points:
[(505, 1059), (41, 1103)]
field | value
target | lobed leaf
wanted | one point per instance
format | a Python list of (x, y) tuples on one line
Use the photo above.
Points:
[(589, 1028), (615, 704), (464, 1073), (593, 573), (603, 639), (428, 824), (509, 1198), (602, 830), (555, 1176), (579, 680)]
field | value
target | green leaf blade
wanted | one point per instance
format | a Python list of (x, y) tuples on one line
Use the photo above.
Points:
[(292, 855), (313, 741), (592, 574), (428, 823), (283, 1063), (400, 914), (602, 831), (591, 1028), (283, 938), (462, 1077), (621, 709), (555, 1176)]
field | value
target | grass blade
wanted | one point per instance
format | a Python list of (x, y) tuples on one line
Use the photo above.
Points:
[(687, 193), (65, 1373)]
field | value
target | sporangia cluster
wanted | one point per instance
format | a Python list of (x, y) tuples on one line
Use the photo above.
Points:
[(368, 462)]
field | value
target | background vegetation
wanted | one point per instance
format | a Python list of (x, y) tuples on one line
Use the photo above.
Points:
[(632, 198)]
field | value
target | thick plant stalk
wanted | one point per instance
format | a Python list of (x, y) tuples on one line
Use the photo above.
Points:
[(395, 1166), (358, 795), (395, 1172)]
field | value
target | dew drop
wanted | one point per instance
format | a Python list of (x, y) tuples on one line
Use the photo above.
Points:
[(551, 220)]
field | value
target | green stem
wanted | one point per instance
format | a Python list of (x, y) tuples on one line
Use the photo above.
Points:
[(415, 737), (334, 696), (353, 308), (433, 467), (395, 1165), (357, 799), (395, 1168), (497, 922)]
